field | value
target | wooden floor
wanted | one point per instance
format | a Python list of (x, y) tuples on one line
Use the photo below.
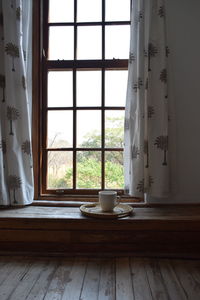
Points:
[(98, 278)]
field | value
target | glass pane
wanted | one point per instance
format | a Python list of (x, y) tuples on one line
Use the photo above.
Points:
[(89, 42), (60, 89), (60, 165), (88, 169), (114, 128), (61, 11), (89, 10), (117, 41), (115, 88), (88, 90), (89, 129), (60, 129), (61, 42), (117, 10), (114, 175)]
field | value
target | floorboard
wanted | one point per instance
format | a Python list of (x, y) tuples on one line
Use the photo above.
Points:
[(81, 278)]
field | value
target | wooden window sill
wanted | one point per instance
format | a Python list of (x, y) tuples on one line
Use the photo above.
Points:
[(167, 230)]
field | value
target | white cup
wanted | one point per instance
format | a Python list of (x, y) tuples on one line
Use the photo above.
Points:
[(108, 200)]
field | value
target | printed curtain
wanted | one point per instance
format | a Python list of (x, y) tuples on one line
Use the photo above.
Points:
[(146, 158), (16, 167)]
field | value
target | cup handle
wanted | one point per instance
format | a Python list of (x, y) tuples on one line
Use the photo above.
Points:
[(118, 200)]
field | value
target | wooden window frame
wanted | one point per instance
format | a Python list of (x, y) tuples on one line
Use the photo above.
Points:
[(40, 68)]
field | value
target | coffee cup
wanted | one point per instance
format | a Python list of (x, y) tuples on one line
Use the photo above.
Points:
[(108, 200)]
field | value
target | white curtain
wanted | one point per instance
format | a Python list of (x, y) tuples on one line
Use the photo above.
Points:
[(16, 167), (146, 116)]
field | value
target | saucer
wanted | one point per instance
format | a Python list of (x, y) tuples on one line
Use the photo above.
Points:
[(94, 210)]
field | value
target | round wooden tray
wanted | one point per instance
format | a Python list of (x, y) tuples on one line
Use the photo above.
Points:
[(94, 210)]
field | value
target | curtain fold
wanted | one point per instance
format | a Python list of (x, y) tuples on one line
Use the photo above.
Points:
[(16, 168), (146, 159)]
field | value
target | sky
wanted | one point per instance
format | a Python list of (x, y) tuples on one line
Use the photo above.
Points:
[(89, 47)]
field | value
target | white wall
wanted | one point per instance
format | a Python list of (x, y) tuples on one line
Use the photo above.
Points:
[(183, 22)]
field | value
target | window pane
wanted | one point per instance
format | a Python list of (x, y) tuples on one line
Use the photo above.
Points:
[(61, 42), (117, 41), (89, 10), (89, 42), (115, 88), (60, 129), (88, 169), (59, 170), (114, 128), (117, 10), (114, 176), (61, 11), (88, 90), (89, 129), (60, 90)]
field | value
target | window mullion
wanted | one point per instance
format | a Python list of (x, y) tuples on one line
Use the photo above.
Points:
[(74, 128), (103, 29), (103, 131), (74, 98)]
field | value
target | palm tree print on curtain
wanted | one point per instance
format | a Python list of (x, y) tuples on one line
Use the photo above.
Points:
[(146, 151), (15, 91), (12, 115), (151, 111), (26, 148), (12, 3), (23, 82), (2, 86), (14, 183), (147, 102), (152, 52), (162, 143), (12, 50), (138, 84), (18, 13), (161, 11), (3, 148), (141, 186), (163, 76), (131, 58)]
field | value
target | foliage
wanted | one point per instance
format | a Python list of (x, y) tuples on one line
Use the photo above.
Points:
[(114, 175), (89, 174), (89, 162), (59, 183)]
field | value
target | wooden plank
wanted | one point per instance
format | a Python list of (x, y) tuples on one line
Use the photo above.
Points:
[(12, 280), (86, 224), (8, 267), (25, 285), (40, 287), (59, 280), (188, 282), (91, 280), (173, 286), (74, 285), (155, 280), (194, 269), (139, 278), (35, 235), (107, 280), (124, 288), (158, 213)]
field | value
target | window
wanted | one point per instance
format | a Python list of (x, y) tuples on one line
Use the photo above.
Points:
[(84, 48)]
